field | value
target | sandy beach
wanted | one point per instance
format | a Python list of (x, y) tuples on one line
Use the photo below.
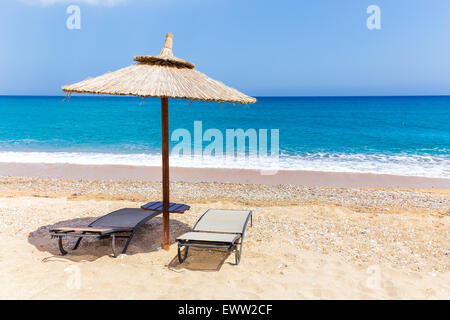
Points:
[(307, 242)]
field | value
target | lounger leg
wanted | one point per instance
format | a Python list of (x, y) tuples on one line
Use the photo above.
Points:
[(128, 242), (60, 245), (180, 258), (238, 252), (75, 247), (113, 245)]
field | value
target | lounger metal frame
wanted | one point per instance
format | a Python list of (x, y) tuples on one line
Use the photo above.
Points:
[(230, 246), (126, 233)]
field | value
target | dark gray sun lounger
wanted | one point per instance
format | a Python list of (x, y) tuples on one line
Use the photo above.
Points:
[(117, 224), (217, 228)]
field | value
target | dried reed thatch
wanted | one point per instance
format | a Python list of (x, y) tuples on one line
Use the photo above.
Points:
[(160, 76)]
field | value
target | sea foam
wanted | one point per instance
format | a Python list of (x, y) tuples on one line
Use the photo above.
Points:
[(398, 164)]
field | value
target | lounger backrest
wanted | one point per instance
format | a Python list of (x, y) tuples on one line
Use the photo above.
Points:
[(228, 221), (126, 218)]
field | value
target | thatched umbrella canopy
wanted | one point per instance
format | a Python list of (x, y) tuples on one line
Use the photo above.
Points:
[(164, 76)]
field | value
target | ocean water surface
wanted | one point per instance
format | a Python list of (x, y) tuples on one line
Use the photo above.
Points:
[(395, 135)]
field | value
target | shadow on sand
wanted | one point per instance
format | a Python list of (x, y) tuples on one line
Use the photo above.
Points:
[(146, 239), (200, 259)]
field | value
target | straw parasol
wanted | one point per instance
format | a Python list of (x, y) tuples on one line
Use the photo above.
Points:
[(163, 76)]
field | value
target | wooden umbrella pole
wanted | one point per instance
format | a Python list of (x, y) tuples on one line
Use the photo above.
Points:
[(165, 171)]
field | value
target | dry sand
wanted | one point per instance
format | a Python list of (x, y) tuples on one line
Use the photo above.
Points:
[(306, 242)]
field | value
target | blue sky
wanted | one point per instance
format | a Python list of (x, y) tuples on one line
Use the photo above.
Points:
[(263, 48)]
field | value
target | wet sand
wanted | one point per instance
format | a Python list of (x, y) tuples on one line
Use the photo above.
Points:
[(306, 178)]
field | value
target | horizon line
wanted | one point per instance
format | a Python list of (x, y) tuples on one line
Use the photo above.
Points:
[(256, 96)]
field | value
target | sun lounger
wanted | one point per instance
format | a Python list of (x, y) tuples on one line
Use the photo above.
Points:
[(117, 224), (217, 229)]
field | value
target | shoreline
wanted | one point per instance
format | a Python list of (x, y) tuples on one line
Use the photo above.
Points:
[(223, 175)]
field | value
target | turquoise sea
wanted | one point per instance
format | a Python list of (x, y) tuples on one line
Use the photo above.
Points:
[(397, 135)]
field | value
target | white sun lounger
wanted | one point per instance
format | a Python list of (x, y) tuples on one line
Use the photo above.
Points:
[(217, 228)]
